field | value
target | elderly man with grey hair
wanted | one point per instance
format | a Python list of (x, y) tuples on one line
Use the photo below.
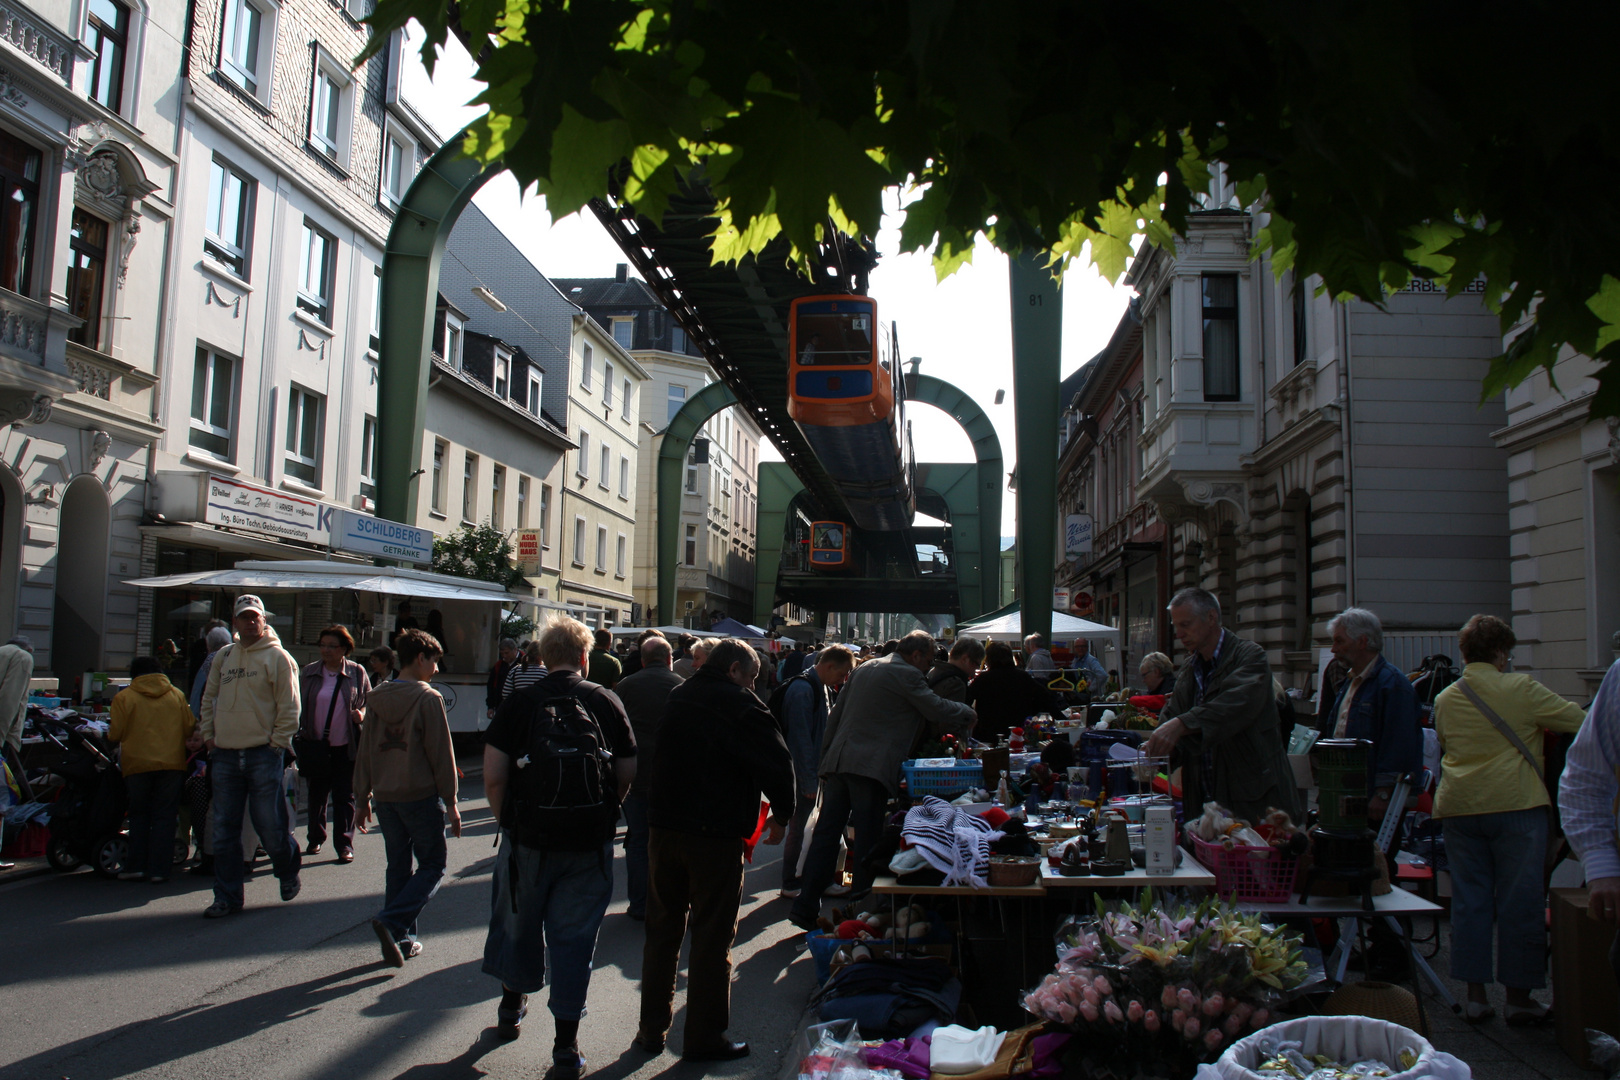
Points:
[(1037, 657), (644, 696), (1221, 718), (1375, 703)]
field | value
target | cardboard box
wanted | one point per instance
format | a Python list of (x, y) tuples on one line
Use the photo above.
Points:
[(1583, 982)]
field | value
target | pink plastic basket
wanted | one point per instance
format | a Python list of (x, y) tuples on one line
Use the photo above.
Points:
[(1262, 875)]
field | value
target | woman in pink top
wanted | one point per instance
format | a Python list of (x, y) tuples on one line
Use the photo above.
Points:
[(332, 693)]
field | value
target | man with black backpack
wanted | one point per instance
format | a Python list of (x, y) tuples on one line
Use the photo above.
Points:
[(800, 706), (558, 759)]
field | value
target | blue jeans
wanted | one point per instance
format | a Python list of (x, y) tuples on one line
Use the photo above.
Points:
[(249, 779), (1497, 876), (560, 899), (410, 828), (635, 850), (154, 813)]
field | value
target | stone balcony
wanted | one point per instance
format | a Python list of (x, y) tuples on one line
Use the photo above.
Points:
[(33, 358), (43, 44)]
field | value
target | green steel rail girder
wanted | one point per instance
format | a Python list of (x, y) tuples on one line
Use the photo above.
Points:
[(697, 411), (410, 287)]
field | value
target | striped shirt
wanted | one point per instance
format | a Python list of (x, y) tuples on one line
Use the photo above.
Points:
[(1588, 790), (521, 677)]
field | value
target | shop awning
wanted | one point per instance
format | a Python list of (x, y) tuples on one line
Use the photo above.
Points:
[(304, 575), (667, 631), (1010, 627)]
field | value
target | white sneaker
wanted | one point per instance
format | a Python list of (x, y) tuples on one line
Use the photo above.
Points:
[(787, 894)]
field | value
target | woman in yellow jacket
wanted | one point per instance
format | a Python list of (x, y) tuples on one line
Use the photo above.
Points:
[(1494, 808), (151, 721)]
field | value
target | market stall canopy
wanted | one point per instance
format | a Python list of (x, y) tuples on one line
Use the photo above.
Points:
[(1010, 627), (667, 631), (733, 628), (301, 575)]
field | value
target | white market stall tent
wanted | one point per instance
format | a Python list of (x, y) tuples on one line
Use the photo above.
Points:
[(1010, 627), (299, 575)]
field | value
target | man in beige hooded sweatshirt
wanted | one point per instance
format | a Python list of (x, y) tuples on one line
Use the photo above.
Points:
[(249, 717)]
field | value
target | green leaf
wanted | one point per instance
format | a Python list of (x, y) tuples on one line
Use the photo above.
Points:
[(582, 152), (1606, 306)]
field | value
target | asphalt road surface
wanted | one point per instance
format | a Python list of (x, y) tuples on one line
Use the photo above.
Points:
[(105, 979)]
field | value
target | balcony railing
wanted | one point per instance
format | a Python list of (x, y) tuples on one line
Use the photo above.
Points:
[(35, 39)]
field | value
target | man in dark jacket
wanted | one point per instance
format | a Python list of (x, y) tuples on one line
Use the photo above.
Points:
[(949, 677), (645, 695), (1376, 703), (804, 706), (497, 677), (1222, 717), (718, 748)]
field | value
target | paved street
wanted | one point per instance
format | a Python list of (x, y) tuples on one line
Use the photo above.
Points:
[(110, 979)]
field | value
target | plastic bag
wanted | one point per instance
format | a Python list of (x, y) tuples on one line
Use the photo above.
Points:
[(832, 1051)]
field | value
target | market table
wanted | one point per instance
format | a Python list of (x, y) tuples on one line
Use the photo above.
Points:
[(889, 886), (1188, 872), (1391, 907)]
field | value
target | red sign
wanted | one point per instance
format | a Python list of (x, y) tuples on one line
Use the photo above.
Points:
[(1084, 603)]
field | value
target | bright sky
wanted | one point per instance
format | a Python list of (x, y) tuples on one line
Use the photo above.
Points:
[(960, 327)]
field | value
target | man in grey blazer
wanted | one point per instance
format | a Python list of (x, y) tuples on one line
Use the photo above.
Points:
[(879, 714)]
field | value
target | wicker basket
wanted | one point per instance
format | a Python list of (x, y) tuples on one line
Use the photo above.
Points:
[(1379, 1000), (1011, 871)]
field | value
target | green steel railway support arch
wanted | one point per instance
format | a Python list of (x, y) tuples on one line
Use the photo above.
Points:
[(697, 411), (986, 547), (410, 288)]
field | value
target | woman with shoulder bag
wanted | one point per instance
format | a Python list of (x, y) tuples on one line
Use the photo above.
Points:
[(332, 691), (1494, 807)]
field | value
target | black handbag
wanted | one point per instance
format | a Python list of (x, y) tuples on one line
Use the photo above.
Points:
[(312, 754)]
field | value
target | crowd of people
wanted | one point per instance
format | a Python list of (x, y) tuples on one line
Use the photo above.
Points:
[(707, 747)]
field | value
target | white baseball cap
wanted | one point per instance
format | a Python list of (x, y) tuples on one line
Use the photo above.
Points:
[(247, 602)]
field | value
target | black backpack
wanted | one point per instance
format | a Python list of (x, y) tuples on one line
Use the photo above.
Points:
[(562, 795), (778, 701)]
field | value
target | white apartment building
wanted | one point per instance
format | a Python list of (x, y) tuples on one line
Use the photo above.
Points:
[(720, 482), (88, 99), (291, 166), (1563, 471)]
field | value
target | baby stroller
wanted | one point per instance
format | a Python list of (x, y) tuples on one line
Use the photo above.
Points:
[(87, 814)]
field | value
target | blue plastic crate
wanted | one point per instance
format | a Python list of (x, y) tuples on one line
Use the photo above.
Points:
[(942, 783)]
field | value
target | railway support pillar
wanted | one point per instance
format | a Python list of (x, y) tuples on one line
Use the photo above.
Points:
[(1037, 340)]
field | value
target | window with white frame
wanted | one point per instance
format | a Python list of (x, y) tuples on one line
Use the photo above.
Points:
[(331, 109), (450, 344), (497, 497), (601, 549), (304, 436), (624, 477), (624, 332), (545, 515), (213, 403), (607, 386), (398, 165), (585, 367), (677, 400), (248, 45), (1220, 304), (582, 465), (229, 229), (533, 396), (691, 545), (376, 310), (523, 502), (440, 447), (106, 33), (691, 480), (469, 487), (624, 403), (368, 458), (618, 558), (316, 269), (604, 475), (503, 372), (579, 541)]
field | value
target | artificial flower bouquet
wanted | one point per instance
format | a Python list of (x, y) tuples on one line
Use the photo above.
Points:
[(1166, 985)]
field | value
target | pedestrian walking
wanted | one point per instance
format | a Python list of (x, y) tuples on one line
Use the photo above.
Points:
[(496, 687), (151, 723), (806, 699), (333, 694), (249, 717), (719, 749), (605, 669), (407, 764), (644, 696), (526, 672), (558, 760), (1492, 803)]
